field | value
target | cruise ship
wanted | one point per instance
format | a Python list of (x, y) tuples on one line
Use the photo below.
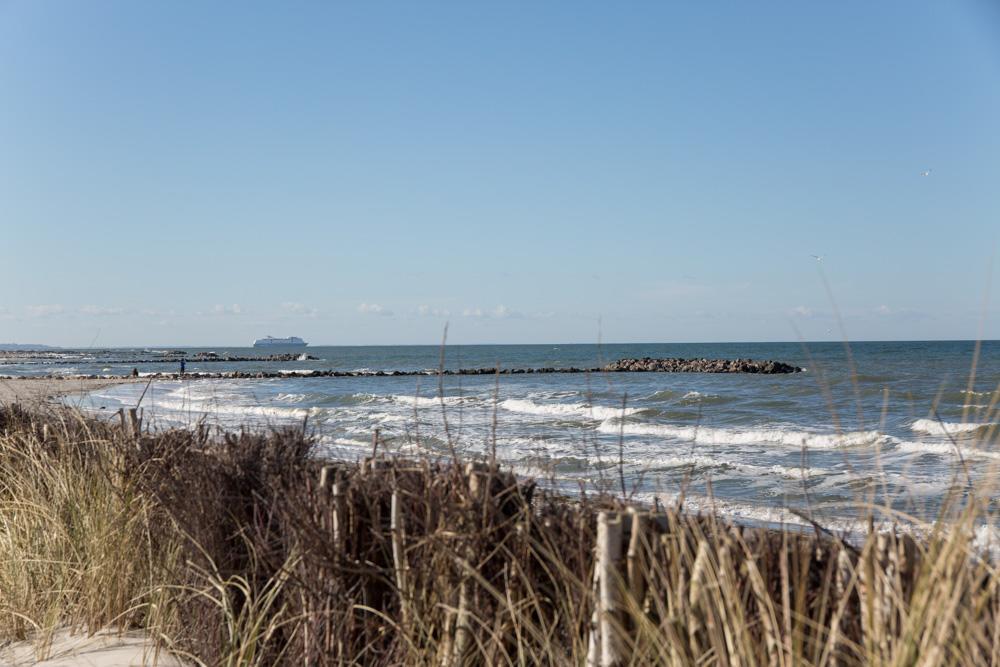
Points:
[(271, 341)]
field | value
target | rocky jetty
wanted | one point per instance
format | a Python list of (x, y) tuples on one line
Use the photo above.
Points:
[(673, 365), (212, 356), (170, 358), (646, 365)]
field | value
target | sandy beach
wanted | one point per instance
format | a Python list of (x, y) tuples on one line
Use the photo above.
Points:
[(103, 649), (31, 390)]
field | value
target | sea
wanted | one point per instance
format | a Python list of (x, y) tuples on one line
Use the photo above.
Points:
[(902, 425)]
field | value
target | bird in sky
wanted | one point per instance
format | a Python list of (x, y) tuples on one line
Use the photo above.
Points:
[(926, 172), (818, 258)]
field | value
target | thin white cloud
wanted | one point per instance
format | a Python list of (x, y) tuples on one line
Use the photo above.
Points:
[(501, 312), (101, 311), (45, 310), (428, 311), (222, 309), (374, 309), (801, 311), (295, 308), (152, 312)]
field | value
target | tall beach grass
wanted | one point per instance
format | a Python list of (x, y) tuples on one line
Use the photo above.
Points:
[(246, 549)]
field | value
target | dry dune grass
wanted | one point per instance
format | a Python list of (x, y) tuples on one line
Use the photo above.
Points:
[(244, 549)]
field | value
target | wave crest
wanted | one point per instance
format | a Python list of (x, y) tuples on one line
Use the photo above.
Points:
[(935, 427), (565, 409), (732, 436)]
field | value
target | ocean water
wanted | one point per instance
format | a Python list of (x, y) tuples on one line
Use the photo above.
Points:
[(905, 429)]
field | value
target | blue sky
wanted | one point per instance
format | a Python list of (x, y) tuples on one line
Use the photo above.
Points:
[(195, 173)]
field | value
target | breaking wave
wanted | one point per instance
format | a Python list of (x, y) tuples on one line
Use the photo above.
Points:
[(707, 462), (565, 409), (935, 427), (738, 436), (431, 401), (944, 449)]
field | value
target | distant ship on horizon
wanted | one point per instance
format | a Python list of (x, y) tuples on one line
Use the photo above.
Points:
[(271, 341)]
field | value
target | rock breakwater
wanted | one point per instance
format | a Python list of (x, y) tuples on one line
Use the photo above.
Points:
[(674, 365), (200, 357), (646, 365)]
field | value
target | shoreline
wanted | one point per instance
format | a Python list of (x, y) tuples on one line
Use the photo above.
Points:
[(38, 390)]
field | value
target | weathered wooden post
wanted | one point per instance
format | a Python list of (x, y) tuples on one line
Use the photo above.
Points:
[(135, 424), (399, 556), (868, 596), (339, 520), (605, 648), (324, 476), (636, 562), (463, 624), (837, 641)]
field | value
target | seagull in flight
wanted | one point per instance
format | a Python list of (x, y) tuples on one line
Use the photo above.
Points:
[(818, 258), (926, 173)]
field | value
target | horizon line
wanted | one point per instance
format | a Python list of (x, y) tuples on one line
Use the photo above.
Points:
[(27, 346)]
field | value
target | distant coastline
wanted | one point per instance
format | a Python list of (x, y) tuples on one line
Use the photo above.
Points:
[(14, 347), (205, 346)]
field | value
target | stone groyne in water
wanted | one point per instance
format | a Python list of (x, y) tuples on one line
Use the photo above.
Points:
[(199, 357), (675, 365), (645, 365)]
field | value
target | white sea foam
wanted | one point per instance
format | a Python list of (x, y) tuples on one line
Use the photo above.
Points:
[(740, 436), (565, 409), (219, 408), (431, 401), (661, 395), (789, 472), (935, 427), (774, 515), (700, 397), (350, 442), (418, 401), (704, 461), (552, 394), (944, 449), (386, 417), (767, 514)]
